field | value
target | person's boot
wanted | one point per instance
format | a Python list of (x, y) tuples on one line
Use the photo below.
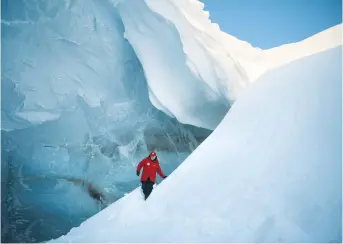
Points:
[(146, 195)]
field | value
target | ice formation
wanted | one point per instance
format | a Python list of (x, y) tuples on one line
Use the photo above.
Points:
[(89, 87)]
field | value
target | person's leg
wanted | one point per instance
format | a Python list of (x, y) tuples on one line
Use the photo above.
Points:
[(144, 187), (149, 188)]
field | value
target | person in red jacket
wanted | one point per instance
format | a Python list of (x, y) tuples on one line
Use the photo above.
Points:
[(150, 166)]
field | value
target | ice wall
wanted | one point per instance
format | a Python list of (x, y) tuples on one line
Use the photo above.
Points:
[(193, 54), (56, 51), (178, 47), (173, 42), (75, 112), (182, 60)]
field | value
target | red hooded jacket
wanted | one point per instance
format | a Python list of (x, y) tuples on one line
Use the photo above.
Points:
[(150, 167)]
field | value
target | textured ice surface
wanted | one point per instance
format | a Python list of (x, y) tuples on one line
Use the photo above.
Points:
[(75, 109), (270, 172)]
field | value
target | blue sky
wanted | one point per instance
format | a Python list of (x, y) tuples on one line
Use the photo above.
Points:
[(270, 23)]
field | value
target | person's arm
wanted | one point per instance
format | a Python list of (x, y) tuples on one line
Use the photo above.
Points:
[(159, 171), (140, 165)]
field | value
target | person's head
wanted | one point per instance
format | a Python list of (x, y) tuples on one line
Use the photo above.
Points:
[(152, 155)]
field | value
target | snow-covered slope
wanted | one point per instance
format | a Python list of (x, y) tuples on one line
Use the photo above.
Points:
[(270, 172), (322, 41), (256, 61)]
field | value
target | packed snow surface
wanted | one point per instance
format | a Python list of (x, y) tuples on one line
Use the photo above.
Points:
[(270, 172)]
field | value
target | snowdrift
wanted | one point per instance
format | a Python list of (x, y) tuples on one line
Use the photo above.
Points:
[(270, 172)]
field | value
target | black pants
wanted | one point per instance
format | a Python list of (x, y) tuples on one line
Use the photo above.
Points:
[(147, 187)]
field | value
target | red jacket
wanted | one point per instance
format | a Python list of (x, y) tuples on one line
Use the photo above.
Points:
[(150, 167)]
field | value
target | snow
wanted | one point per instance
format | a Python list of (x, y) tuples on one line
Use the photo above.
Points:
[(287, 53), (256, 61), (270, 172)]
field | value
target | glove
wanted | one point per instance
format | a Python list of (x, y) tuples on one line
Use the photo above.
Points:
[(138, 173)]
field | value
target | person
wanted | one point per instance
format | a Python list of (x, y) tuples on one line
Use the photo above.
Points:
[(150, 166)]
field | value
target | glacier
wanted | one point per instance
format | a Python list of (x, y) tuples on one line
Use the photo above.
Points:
[(89, 87), (270, 172)]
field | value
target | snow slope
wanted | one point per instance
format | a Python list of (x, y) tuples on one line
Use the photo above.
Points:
[(270, 172), (256, 61), (321, 41)]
